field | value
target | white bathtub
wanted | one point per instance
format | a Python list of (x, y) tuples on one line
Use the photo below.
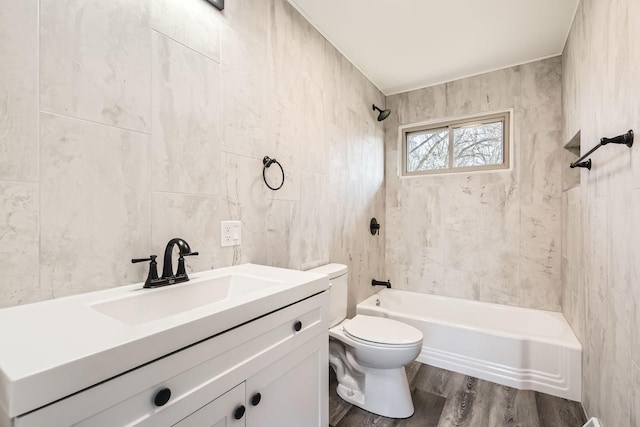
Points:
[(518, 347)]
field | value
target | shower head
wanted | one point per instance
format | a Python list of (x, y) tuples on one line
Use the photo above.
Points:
[(383, 113)]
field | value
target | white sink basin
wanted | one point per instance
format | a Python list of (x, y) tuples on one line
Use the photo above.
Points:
[(147, 305)]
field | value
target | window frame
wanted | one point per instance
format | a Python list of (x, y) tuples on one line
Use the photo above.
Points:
[(455, 122)]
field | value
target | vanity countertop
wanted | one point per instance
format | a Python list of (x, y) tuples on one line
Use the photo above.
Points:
[(54, 348)]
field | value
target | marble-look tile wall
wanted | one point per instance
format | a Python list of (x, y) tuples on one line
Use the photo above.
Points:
[(125, 123), (485, 236), (601, 263)]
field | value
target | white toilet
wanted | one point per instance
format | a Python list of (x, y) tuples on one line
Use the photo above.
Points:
[(369, 353)]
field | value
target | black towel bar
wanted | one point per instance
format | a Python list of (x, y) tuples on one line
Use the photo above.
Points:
[(626, 139)]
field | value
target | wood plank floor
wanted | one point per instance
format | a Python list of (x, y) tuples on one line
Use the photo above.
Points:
[(448, 399)]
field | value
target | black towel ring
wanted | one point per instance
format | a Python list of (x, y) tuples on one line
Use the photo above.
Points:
[(267, 162)]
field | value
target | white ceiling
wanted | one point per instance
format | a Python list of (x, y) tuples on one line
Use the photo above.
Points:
[(402, 45)]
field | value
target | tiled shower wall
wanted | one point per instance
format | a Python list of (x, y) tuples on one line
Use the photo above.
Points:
[(601, 98), (125, 123), (486, 236)]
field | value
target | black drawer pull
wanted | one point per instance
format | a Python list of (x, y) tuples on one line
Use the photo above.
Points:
[(239, 412), (297, 326), (255, 399), (162, 397)]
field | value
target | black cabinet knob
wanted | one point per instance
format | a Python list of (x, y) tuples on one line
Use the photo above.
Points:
[(255, 399), (297, 326), (162, 397), (239, 412)]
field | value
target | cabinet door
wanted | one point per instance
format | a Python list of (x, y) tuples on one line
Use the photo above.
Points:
[(220, 412), (293, 391)]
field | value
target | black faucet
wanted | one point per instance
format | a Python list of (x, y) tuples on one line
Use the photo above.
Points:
[(168, 277), (167, 266)]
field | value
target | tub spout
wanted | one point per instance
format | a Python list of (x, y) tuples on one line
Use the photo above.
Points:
[(375, 282)]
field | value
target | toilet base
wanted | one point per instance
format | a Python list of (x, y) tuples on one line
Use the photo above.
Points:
[(386, 393)]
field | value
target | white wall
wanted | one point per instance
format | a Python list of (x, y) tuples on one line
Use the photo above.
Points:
[(125, 123), (601, 97), (491, 236)]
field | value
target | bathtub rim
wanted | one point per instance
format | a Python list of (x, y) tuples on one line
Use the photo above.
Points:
[(570, 342)]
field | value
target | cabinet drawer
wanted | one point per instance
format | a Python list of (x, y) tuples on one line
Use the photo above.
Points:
[(195, 375)]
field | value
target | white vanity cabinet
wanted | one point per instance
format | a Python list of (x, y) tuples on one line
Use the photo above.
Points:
[(281, 355), (290, 392)]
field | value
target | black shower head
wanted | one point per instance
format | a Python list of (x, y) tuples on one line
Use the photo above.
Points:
[(383, 113)]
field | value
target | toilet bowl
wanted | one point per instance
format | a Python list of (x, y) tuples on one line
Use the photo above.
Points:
[(369, 353), (370, 365)]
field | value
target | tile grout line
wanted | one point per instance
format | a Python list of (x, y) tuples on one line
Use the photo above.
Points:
[(153, 30), (18, 181), (93, 122), (39, 147), (152, 56)]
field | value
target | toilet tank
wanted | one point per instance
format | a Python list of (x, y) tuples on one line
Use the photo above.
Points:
[(337, 292)]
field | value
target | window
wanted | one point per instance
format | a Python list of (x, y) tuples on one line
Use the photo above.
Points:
[(469, 144)]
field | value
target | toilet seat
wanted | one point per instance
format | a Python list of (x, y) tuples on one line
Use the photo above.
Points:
[(381, 332)]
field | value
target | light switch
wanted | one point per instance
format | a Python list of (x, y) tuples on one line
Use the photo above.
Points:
[(230, 233)]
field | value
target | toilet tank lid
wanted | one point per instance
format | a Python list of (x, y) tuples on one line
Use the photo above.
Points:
[(331, 270)]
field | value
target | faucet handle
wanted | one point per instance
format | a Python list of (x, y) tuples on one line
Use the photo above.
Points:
[(182, 271), (153, 269), (151, 258)]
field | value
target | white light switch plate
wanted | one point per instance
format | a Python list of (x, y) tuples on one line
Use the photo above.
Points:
[(230, 233)]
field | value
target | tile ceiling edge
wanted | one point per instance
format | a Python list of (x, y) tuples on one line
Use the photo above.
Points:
[(573, 19), (395, 91), (301, 11)]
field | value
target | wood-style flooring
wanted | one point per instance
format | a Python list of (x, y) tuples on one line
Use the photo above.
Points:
[(448, 399)]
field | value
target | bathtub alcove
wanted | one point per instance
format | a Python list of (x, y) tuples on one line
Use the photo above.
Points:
[(518, 347)]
